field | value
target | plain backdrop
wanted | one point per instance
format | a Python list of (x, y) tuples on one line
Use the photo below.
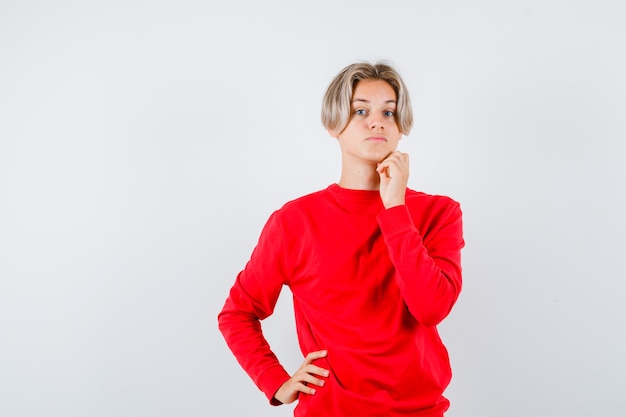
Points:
[(143, 145)]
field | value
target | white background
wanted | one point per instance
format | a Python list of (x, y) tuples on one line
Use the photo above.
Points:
[(143, 144)]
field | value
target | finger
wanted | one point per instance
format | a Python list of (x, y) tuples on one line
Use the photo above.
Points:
[(394, 154), (397, 165), (383, 172), (316, 370), (315, 355), (383, 166), (395, 157), (398, 158), (388, 167), (305, 389), (303, 376), (310, 379)]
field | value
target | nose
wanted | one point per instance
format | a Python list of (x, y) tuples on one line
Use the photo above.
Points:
[(376, 122)]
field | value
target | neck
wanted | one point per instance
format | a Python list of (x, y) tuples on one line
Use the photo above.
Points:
[(362, 177)]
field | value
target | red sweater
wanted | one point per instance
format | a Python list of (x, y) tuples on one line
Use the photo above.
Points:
[(369, 285)]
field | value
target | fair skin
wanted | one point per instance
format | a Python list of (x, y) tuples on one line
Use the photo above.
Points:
[(304, 380), (369, 161)]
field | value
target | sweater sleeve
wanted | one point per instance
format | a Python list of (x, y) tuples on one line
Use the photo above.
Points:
[(428, 274), (252, 299)]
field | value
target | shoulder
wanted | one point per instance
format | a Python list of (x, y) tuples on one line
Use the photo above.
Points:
[(295, 216), (301, 206), (304, 202)]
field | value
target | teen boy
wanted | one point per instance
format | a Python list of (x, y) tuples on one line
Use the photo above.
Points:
[(373, 266)]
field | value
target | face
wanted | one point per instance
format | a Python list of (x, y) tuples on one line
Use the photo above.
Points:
[(372, 132)]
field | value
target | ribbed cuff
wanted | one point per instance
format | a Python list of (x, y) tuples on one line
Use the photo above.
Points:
[(271, 380), (395, 219)]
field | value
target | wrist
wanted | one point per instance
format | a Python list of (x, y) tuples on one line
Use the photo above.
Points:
[(394, 203)]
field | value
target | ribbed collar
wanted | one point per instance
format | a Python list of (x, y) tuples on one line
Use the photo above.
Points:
[(348, 198)]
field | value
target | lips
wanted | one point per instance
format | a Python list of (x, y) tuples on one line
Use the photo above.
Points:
[(377, 139)]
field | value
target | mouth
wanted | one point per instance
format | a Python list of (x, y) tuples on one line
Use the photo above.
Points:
[(377, 139)]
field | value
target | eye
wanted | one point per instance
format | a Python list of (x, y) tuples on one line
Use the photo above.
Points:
[(389, 113), (360, 112)]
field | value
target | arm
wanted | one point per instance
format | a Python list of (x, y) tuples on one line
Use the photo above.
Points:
[(428, 274), (251, 299)]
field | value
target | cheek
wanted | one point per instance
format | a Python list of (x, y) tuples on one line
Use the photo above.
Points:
[(394, 126), (392, 121)]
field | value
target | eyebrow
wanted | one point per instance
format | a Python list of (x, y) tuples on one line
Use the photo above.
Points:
[(367, 101)]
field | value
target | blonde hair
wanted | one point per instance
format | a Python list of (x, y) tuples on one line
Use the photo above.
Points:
[(336, 104)]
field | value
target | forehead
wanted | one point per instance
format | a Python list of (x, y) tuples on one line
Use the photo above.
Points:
[(374, 90)]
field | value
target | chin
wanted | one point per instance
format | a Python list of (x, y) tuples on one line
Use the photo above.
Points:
[(379, 156)]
